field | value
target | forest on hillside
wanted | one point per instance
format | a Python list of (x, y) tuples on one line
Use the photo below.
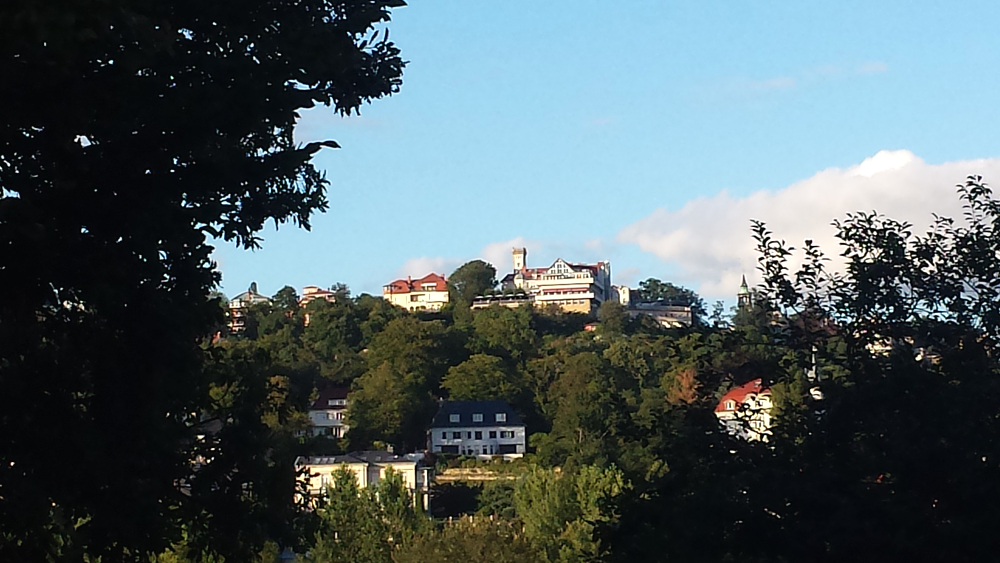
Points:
[(883, 381)]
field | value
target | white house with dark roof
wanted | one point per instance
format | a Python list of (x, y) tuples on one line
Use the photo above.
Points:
[(327, 413), (477, 428)]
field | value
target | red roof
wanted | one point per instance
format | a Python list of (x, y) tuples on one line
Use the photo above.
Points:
[(739, 394), (408, 285)]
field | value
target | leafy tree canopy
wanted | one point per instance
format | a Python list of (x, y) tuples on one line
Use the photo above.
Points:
[(655, 290), (471, 279), (134, 131)]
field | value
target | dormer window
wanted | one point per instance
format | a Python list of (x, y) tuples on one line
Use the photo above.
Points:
[(454, 418), (730, 405), (501, 417), (477, 417)]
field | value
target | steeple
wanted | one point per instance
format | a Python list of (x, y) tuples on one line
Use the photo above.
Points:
[(744, 299)]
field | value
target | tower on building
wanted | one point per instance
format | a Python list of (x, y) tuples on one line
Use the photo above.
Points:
[(744, 299), (520, 258)]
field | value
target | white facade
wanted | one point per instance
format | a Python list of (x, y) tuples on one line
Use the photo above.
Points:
[(327, 414), (477, 428), (745, 411), (239, 304), (579, 288), (479, 441)]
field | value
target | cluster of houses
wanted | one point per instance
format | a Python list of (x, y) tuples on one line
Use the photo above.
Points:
[(481, 429), (492, 429), (571, 287)]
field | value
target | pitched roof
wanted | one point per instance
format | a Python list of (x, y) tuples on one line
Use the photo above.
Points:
[(327, 394), (465, 410), (739, 394), (408, 285)]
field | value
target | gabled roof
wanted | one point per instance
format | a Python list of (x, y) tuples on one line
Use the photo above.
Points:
[(465, 410), (329, 393), (739, 394), (408, 285)]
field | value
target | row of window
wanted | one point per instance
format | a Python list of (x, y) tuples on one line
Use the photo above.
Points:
[(478, 417), (478, 435)]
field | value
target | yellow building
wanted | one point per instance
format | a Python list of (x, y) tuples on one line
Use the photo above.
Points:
[(369, 468), (428, 293)]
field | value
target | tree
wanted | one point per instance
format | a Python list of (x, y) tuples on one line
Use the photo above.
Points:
[(481, 378), (286, 300), (470, 280), (365, 525), (655, 290), (135, 131)]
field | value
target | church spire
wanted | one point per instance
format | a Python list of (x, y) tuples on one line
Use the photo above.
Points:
[(744, 299)]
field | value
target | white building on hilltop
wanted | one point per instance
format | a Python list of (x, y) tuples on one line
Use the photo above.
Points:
[(239, 304), (574, 288)]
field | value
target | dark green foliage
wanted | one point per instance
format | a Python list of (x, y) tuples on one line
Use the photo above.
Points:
[(471, 539), (656, 290), (133, 130), (471, 280), (365, 525)]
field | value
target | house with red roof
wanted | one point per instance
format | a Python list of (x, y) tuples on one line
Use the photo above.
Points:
[(745, 410), (574, 288), (428, 293)]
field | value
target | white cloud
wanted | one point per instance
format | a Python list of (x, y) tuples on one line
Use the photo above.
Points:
[(709, 238), (873, 67)]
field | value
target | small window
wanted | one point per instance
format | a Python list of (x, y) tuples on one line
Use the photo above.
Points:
[(444, 435), (479, 435), (468, 435), (501, 417), (477, 417), (730, 405), (493, 434), (506, 433), (331, 402), (456, 435), (454, 418)]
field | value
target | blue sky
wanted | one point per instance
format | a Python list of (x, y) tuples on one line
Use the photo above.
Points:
[(647, 133)]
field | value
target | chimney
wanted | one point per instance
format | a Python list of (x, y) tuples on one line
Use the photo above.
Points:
[(253, 287)]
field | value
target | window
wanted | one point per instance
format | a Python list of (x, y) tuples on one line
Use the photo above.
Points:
[(493, 434), (414, 298), (468, 435), (506, 434), (454, 418), (479, 435), (730, 405), (456, 435), (501, 417), (477, 417)]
